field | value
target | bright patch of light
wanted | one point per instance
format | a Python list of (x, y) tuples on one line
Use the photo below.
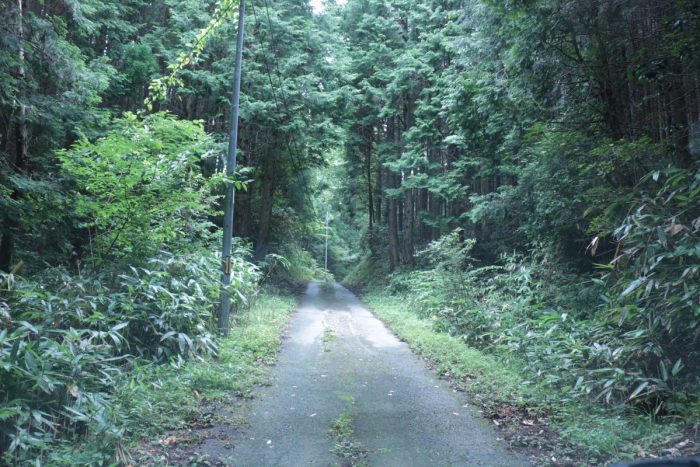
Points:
[(319, 6)]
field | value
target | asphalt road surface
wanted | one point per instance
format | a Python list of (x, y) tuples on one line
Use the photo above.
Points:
[(339, 362)]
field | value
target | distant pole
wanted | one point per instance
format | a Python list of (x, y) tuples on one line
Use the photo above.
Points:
[(225, 310), (326, 261)]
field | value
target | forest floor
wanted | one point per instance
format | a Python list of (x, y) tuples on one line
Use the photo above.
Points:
[(345, 391)]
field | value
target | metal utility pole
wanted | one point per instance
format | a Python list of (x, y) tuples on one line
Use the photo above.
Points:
[(225, 310), (326, 261)]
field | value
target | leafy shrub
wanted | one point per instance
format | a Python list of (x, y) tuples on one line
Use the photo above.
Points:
[(141, 188), (296, 264), (65, 341), (553, 323), (55, 383), (445, 289), (65, 338), (656, 277)]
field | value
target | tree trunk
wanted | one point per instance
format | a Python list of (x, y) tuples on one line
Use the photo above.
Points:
[(408, 227), (393, 228), (6, 248), (21, 132), (422, 208), (9, 225), (244, 198), (262, 247), (392, 221), (368, 173), (378, 194)]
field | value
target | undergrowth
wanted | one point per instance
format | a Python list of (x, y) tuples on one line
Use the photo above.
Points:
[(169, 397), (68, 342), (149, 399), (588, 433)]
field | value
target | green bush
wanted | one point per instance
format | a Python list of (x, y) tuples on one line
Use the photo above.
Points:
[(655, 298), (633, 349), (140, 188), (65, 340), (295, 264)]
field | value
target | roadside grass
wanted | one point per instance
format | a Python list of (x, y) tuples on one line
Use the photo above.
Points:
[(561, 430), (161, 398)]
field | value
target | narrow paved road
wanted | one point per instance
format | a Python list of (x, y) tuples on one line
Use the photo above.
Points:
[(339, 360)]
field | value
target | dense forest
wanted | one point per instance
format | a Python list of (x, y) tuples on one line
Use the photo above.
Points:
[(524, 173)]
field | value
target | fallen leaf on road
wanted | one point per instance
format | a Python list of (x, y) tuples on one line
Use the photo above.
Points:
[(683, 444), (170, 440)]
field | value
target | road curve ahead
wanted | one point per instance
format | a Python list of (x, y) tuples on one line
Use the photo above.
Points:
[(341, 367)]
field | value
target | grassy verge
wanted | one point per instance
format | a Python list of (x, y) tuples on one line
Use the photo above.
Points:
[(161, 398), (557, 430)]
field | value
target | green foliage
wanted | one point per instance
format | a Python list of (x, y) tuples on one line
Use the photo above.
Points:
[(294, 264), (368, 272), (55, 383), (115, 216), (29, 206), (656, 277), (140, 188), (138, 65), (529, 125), (67, 340), (155, 398), (554, 326), (348, 449), (159, 87), (450, 353), (588, 433)]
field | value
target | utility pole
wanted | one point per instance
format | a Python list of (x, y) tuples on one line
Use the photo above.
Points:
[(326, 261), (225, 305)]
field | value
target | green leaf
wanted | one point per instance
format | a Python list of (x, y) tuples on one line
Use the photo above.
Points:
[(639, 389), (677, 367), (633, 286), (30, 361)]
